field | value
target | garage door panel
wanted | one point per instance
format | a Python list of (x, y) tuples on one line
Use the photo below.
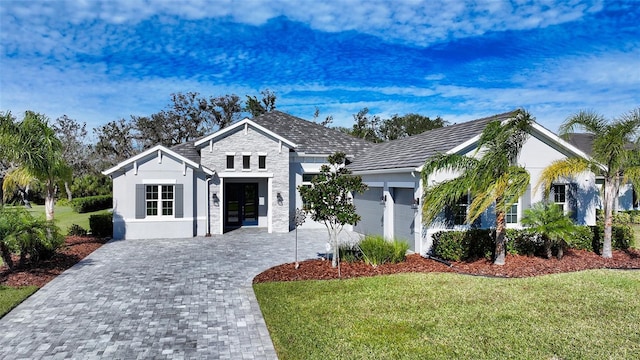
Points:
[(404, 216), (370, 211)]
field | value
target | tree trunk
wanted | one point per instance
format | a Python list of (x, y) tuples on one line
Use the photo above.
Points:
[(6, 255), (68, 190), (501, 249), (49, 200), (560, 250), (609, 199), (547, 247)]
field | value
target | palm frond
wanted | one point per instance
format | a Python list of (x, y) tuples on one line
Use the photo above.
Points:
[(447, 162), (437, 197), (561, 169), (585, 120), (19, 177)]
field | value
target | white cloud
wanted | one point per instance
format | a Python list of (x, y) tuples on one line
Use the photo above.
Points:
[(417, 22)]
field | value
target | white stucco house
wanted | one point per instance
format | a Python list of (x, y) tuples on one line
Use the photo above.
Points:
[(248, 174)]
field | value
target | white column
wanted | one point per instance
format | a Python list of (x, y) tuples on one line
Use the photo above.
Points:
[(388, 213), (270, 205), (221, 197), (417, 229)]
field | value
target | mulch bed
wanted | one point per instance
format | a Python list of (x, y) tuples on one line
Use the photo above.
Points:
[(75, 249), (516, 266)]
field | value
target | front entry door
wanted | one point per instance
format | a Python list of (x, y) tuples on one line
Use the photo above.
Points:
[(241, 204)]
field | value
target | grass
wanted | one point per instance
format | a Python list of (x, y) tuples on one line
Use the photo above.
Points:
[(586, 315), (64, 216), (11, 297)]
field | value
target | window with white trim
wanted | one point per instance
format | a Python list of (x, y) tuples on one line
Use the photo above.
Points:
[(159, 200), (559, 195), (230, 162), (262, 162), (511, 217), (460, 211), (246, 162)]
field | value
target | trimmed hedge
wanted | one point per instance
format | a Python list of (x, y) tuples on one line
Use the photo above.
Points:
[(621, 237), (101, 225), (92, 203), (464, 245), (474, 244)]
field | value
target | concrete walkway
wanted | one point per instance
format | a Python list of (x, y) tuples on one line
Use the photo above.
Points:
[(173, 299)]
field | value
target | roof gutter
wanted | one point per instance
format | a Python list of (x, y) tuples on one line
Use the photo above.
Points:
[(386, 171)]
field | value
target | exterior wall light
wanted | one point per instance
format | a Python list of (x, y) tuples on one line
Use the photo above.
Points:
[(279, 199), (216, 200), (383, 199), (416, 202)]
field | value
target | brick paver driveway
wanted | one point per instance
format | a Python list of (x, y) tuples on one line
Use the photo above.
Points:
[(186, 298)]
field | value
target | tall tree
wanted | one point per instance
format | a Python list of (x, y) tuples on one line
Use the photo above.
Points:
[(33, 145), (116, 142), (328, 200), (366, 126), (492, 180), (257, 107), (188, 117), (398, 127), (73, 136), (327, 120), (615, 157)]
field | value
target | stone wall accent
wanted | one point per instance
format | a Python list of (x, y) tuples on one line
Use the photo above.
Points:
[(250, 141)]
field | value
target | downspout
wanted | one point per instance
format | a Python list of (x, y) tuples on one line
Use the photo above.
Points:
[(208, 234)]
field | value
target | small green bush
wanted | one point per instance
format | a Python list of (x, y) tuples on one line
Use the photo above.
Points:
[(376, 250), (464, 245), (350, 253), (76, 230), (101, 225), (92, 203), (523, 242)]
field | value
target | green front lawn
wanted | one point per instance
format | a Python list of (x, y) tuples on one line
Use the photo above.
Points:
[(585, 315), (12, 297), (64, 216)]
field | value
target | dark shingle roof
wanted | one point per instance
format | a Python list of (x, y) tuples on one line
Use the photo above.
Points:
[(187, 150), (582, 141), (412, 151), (310, 137)]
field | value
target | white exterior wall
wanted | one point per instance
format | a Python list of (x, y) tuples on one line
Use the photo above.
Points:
[(151, 171), (303, 165), (271, 181)]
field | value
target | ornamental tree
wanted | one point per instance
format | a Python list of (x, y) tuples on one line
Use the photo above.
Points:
[(328, 199)]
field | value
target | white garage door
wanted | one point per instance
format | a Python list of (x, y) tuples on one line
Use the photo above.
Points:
[(404, 216), (371, 212)]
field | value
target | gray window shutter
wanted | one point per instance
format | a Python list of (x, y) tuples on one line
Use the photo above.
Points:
[(141, 209), (179, 200), (572, 201)]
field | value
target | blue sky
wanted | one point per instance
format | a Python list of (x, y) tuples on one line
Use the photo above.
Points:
[(98, 61)]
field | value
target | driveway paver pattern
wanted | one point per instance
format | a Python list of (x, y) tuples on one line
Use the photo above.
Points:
[(157, 298)]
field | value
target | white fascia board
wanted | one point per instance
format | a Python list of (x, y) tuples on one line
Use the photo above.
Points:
[(207, 170), (384, 171), (153, 151), (241, 124), (232, 174)]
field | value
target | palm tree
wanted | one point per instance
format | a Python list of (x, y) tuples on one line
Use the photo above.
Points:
[(492, 176), (32, 144), (615, 157), (550, 222)]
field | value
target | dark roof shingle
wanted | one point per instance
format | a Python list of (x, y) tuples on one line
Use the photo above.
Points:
[(413, 151), (310, 137), (582, 141)]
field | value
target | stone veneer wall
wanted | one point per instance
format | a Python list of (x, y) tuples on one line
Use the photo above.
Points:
[(256, 143)]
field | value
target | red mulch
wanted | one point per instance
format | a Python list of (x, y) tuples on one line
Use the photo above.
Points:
[(516, 266), (75, 249)]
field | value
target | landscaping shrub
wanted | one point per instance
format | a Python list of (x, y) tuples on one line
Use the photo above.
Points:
[(464, 245), (101, 225), (21, 233), (92, 203), (350, 253), (523, 242), (621, 237), (76, 230), (376, 250)]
